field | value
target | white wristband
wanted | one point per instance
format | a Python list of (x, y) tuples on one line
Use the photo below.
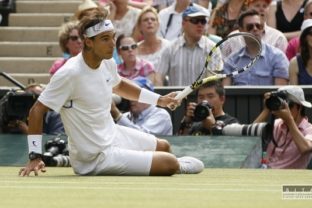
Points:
[(35, 143), (148, 97)]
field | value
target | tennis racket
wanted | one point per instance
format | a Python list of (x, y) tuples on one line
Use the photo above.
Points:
[(220, 55)]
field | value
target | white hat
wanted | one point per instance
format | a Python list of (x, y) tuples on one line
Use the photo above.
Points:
[(87, 4), (296, 94), (306, 24)]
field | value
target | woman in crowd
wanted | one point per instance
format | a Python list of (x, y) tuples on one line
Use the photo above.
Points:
[(300, 68), (132, 66), (151, 47), (223, 19), (69, 42), (287, 16)]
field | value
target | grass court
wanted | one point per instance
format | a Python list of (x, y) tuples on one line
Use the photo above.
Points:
[(60, 188)]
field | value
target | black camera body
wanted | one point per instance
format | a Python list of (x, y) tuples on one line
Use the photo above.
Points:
[(274, 102), (201, 111), (56, 153), (15, 105)]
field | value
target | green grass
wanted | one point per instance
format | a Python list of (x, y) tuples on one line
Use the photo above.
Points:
[(60, 188)]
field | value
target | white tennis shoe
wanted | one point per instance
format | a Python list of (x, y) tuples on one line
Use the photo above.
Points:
[(190, 165)]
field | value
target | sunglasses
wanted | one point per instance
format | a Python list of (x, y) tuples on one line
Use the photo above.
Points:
[(73, 38), (250, 27), (195, 21), (128, 47)]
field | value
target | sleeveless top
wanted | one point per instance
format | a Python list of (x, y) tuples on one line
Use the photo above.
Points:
[(304, 78), (282, 23)]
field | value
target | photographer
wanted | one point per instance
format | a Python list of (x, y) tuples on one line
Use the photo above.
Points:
[(142, 116), (291, 143), (202, 117)]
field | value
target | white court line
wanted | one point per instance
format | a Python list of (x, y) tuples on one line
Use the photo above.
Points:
[(139, 189), (136, 183)]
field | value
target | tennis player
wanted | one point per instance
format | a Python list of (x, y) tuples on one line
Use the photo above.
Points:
[(82, 92)]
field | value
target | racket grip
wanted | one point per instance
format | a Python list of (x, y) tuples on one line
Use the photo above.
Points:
[(186, 91)]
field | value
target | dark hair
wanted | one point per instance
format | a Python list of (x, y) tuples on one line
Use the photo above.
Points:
[(247, 13), (217, 85), (90, 20), (304, 46), (119, 39)]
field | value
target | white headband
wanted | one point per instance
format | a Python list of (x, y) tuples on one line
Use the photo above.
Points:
[(103, 26)]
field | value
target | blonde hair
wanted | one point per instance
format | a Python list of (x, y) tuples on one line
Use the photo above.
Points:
[(146, 10)]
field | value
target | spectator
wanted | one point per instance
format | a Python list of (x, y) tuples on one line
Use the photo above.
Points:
[(270, 35), (69, 42), (144, 117), (287, 16), (123, 16), (171, 18), (272, 66), (151, 47), (223, 19), (293, 44), (185, 57), (213, 94), (292, 132), (85, 8), (97, 146), (132, 66), (300, 69)]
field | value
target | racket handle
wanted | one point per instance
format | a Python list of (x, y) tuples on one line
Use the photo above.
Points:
[(186, 91)]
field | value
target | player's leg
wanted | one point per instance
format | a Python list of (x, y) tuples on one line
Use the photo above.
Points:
[(163, 145), (164, 164)]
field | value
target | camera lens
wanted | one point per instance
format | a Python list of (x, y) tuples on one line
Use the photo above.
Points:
[(201, 111), (274, 103)]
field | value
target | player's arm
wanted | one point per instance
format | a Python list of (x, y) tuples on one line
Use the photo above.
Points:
[(130, 91), (34, 140)]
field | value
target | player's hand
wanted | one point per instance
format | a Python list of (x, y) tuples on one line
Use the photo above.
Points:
[(33, 165), (168, 100)]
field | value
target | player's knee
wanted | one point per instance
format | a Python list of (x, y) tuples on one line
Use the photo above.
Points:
[(164, 164), (163, 145)]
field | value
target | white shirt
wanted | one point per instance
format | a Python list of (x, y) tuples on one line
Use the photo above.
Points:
[(83, 97)]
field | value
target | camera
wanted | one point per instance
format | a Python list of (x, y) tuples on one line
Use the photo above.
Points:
[(56, 153), (15, 105), (201, 111), (274, 102)]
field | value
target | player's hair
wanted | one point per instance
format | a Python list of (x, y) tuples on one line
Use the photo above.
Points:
[(90, 20)]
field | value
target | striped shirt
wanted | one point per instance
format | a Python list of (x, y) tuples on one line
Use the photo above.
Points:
[(183, 64)]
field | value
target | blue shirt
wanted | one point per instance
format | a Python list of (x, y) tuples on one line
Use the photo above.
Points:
[(272, 63), (152, 120)]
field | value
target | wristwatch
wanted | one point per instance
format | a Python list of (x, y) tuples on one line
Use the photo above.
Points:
[(33, 155)]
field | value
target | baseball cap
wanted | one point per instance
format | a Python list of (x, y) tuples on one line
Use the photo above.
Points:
[(192, 11), (252, 1), (296, 94), (306, 24), (144, 83)]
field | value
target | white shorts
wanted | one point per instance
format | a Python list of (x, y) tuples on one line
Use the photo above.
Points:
[(131, 153)]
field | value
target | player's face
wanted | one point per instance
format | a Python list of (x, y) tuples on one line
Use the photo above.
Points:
[(209, 94), (103, 45)]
